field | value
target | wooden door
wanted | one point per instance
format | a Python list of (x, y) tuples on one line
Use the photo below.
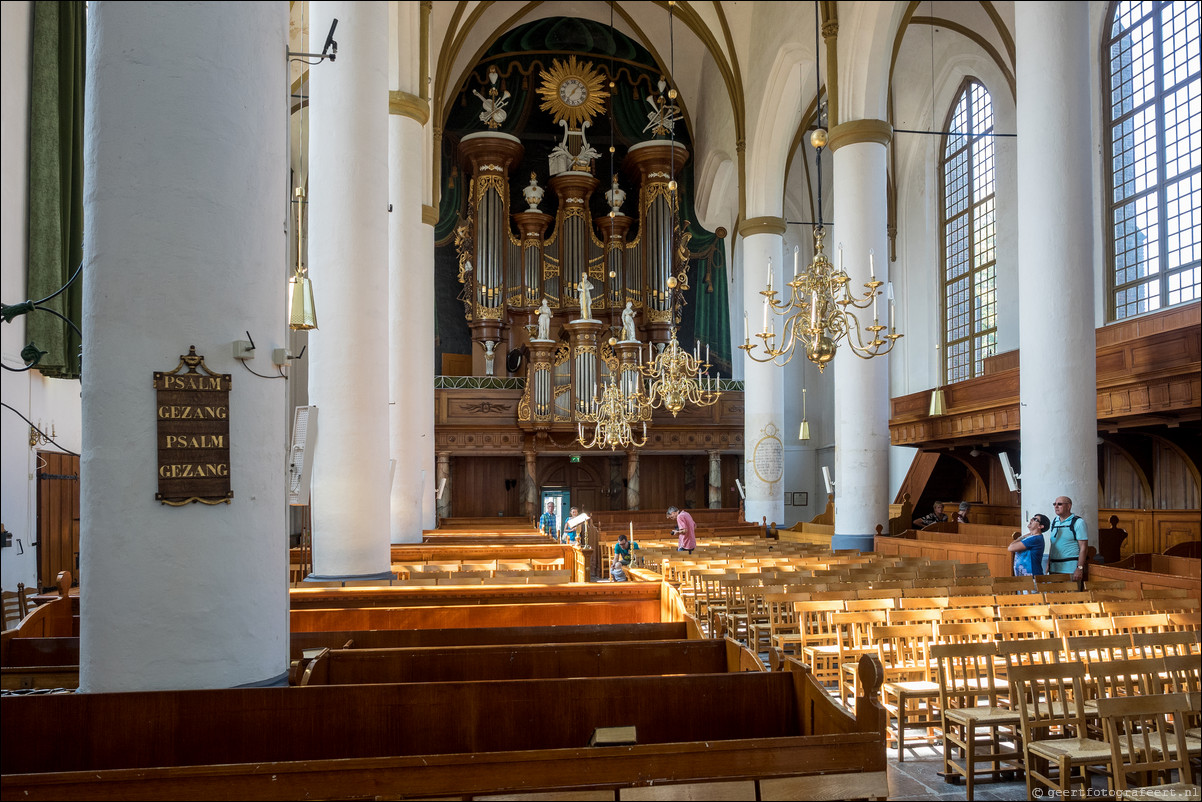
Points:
[(58, 516)]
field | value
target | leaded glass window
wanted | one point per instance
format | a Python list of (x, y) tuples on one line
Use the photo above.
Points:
[(1153, 147), (969, 180)]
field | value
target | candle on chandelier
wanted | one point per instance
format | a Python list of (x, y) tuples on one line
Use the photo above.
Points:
[(889, 295), (769, 272), (871, 265), (707, 353), (796, 261), (840, 257), (746, 329), (765, 314)]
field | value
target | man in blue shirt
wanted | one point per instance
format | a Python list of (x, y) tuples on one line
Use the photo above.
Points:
[(547, 523), (1068, 541)]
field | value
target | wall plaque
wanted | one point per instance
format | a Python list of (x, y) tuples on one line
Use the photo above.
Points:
[(192, 405)]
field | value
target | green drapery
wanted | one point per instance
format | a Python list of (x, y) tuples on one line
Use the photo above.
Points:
[(56, 106)]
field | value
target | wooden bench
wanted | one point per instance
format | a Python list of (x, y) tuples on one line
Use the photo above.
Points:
[(524, 661), (758, 734)]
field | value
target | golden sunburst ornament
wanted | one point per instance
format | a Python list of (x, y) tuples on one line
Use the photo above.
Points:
[(572, 91)]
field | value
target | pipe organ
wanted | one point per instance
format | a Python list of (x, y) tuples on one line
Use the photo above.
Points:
[(514, 264)]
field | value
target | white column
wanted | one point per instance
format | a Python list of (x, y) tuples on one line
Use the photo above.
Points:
[(186, 244), (411, 287), (764, 383), (1057, 372), (861, 385), (348, 261)]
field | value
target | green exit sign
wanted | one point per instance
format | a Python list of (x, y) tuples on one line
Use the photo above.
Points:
[(574, 458)]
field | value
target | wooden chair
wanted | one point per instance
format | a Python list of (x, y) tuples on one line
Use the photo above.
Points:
[(964, 614), (905, 602), (970, 600), (1180, 674), (1013, 584), (919, 615), (1001, 600), (13, 606), (1145, 749), (1165, 644), (1175, 605), (1095, 648), (1148, 622), (1034, 628), (1023, 612), (1096, 625), (816, 641), (1150, 592), (1185, 622), (1127, 606), (910, 692), (967, 632), (782, 622), (1057, 753), (853, 639), (975, 724), (1115, 594), (1069, 597)]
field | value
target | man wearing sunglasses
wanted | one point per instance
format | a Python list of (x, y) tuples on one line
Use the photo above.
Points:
[(1069, 541)]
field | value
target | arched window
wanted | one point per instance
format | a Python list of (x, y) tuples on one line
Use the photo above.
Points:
[(969, 234), (1153, 147)]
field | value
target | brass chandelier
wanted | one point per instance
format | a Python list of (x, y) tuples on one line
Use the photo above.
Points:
[(819, 312), (676, 377), (613, 418)]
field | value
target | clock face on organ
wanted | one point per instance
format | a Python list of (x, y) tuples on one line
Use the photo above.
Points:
[(573, 92)]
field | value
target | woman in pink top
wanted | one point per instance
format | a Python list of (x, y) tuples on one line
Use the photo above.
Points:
[(685, 529)]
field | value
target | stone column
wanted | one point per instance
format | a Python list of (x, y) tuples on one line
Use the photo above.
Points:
[(861, 385), (186, 244), (632, 480), (348, 260), (530, 486), (715, 478), (1056, 218), (411, 288), (764, 395), (443, 479)]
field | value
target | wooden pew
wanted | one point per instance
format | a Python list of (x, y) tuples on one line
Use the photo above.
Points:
[(323, 609), (964, 543), (524, 661), (775, 733), (415, 638)]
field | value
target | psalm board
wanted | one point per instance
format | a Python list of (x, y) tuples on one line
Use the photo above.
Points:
[(192, 405)]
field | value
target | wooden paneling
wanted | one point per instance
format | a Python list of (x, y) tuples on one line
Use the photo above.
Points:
[(1146, 369), (58, 516), (1153, 531), (478, 486), (661, 481), (1175, 478), (1122, 480), (485, 421), (456, 365)]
